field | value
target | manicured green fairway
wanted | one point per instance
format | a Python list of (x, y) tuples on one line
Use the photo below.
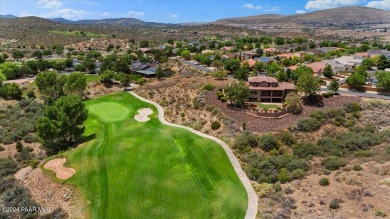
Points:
[(148, 170)]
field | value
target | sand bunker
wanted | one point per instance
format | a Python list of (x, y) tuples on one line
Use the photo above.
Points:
[(57, 166), (143, 115)]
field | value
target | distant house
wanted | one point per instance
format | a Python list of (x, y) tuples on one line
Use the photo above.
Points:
[(207, 51), (251, 63), (267, 89), (328, 49), (318, 68), (250, 54), (144, 50), (379, 53), (227, 48), (264, 59), (270, 51), (337, 67)]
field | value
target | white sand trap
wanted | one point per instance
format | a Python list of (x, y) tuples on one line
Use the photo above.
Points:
[(143, 115), (57, 166), (22, 173)]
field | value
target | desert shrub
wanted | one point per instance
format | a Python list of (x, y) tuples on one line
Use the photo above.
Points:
[(208, 87), (33, 163), (224, 99), (324, 182), (330, 146), (363, 153), (245, 139), (268, 141), (2, 148), (327, 94), (24, 155), (335, 204), (215, 125), (353, 107), (333, 163), (320, 115), (387, 149), (380, 213), (19, 146), (357, 167), (220, 94), (264, 168), (283, 176), (308, 125), (277, 187), (297, 174), (7, 166), (286, 138), (305, 149), (30, 94)]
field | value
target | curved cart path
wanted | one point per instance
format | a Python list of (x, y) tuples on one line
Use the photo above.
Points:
[(252, 196)]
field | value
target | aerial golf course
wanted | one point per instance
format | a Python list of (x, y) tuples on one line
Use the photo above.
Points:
[(132, 169)]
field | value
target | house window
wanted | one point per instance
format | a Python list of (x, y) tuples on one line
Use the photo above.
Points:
[(253, 92)]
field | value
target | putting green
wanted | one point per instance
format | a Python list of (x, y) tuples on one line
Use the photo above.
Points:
[(129, 169), (109, 111)]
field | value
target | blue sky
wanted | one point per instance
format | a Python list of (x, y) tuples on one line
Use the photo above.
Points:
[(172, 11)]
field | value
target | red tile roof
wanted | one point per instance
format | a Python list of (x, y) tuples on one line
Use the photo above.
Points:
[(259, 79)]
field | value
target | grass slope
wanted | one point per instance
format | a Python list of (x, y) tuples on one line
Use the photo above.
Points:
[(148, 170)]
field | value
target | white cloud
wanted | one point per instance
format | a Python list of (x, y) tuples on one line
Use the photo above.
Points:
[(173, 15), (326, 4), (135, 13), (272, 9), (105, 14), (66, 13), (49, 4), (301, 12), (251, 6), (381, 4)]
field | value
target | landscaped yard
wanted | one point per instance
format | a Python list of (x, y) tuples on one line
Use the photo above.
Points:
[(78, 33), (130, 169), (267, 106)]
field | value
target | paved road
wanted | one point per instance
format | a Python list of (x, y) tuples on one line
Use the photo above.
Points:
[(252, 196), (358, 93)]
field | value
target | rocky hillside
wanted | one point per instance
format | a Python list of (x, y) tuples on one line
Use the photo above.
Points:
[(336, 17)]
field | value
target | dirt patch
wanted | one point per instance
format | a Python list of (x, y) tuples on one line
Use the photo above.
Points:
[(22, 173), (10, 149), (57, 166), (53, 195), (143, 115)]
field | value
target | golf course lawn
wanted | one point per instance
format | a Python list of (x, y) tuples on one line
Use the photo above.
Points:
[(129, 169)]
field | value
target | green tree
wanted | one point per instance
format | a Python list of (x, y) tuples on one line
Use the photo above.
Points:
[(241, 74), (259, 66), (17, 54), (61, 125), (328, 72), (237, 93), (217, 64), (282, 76), (272, 69), (334, 86), (186, 54), (383, 80), (293, 102), (144, 44), (159, 72), (232, 65), (220, 74), (308, 84), (14, 91), (356, 80), (50, 84), (37, 54), (107, 76), (76, 84)]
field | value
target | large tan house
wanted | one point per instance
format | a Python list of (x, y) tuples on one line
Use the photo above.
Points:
[(267, 89)]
